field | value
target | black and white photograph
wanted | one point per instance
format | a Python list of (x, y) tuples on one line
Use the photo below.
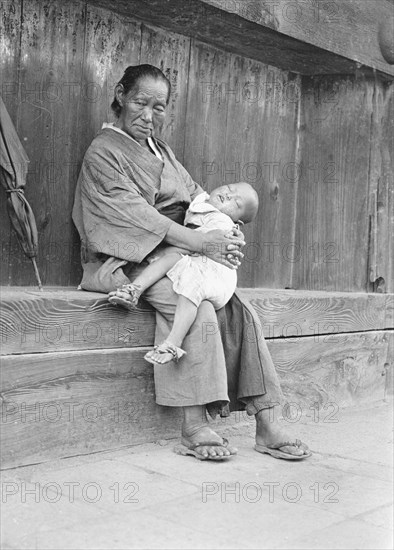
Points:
[(197, 274)]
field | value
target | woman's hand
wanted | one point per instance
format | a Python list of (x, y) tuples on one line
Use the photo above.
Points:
[(224, 247), (236, 260)]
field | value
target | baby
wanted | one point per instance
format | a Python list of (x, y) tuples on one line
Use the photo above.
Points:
[(195, 277)]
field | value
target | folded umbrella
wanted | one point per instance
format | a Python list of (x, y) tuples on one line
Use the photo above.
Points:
[(13, 170)]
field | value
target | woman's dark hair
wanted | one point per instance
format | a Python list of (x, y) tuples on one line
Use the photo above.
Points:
[(131, 77)]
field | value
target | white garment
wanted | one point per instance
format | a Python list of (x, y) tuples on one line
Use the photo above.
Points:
[(198, 277)]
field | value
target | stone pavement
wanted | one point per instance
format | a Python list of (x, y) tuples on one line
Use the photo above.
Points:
[(148, 497)]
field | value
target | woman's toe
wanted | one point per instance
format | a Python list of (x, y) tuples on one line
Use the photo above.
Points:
[(292, 450)]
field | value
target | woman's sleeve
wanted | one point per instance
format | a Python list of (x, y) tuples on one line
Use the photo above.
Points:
[(193, 187), (117, 220)]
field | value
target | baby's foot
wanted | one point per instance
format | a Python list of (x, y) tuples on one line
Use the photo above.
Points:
[(164, 353), (127, 296)]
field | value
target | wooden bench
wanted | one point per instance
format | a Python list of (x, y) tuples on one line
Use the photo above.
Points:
[(73, 378)]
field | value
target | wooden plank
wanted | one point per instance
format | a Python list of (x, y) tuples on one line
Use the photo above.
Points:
[(342, 369), (332, 207), (51, 59), (65, 319), (63, 404), (206, 116), (112, 44), (389, 367), (10, 29), (261, 139), (58, 405), (170, 52), (349, 28), (289, 313), (381, 187), (305, 36), (56, 320)]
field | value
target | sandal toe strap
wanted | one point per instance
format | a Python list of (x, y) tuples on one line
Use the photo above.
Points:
[(167, 347)]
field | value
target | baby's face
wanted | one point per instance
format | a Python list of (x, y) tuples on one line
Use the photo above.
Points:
[(235, 200)]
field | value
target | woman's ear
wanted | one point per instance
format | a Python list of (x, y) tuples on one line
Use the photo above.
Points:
[(119, 94)]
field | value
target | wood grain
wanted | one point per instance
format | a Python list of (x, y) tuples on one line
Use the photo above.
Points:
[(381, 190), (339, 197), (342, 369), (51, 53), (206, 117), (332, 227), (349, 28), (57, 405), (61, 319), (112, 43), (289, 313), (321, 38), (70, 320), (261, 139), (63, 404)]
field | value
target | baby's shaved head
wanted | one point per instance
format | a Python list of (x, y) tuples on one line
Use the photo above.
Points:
[(251, 205)]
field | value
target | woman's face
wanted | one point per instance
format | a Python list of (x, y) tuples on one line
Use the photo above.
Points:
[(143, 108)]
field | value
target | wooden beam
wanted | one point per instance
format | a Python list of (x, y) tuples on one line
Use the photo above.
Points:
[(303, 36), (63, 404), (344, 369), (65, 319), (61, 319), (295, 313), (352, 29)]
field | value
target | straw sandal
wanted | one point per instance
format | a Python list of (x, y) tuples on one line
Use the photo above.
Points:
[(130, 303), (167, 351), (274, 450)]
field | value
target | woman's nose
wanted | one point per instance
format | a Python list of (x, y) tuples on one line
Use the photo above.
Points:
[(147, 114)]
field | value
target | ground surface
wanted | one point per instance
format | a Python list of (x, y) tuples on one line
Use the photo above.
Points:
[(149, 497)]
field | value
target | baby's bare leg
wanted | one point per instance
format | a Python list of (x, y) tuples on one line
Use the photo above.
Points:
[(185, 315), (158, 268), (128, 296)]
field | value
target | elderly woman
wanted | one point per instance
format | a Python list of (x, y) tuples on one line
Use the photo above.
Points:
[(130, 201)]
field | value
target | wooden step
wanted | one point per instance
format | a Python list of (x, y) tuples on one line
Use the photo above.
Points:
[(73, 378), (60, 318)]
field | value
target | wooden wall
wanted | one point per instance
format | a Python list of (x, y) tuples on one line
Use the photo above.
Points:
[(344, 224), (319, 166)]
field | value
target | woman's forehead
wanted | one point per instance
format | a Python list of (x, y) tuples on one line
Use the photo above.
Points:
[(151, 86)]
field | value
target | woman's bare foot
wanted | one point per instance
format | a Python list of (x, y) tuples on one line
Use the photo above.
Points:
[(199, 440), (271, 439)]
